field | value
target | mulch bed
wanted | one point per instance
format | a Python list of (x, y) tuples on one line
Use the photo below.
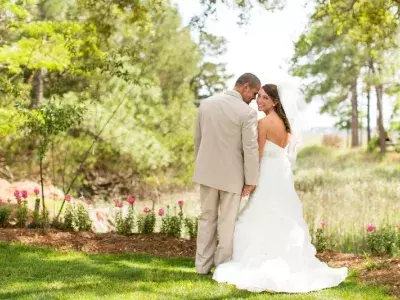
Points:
[(387, 271), (154, 244)]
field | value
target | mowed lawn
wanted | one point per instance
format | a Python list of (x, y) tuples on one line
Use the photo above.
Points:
[(38, 273)]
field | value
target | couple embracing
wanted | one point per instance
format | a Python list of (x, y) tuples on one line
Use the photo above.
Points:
[(267, 246)]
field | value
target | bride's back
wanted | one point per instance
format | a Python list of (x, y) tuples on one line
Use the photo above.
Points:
[(275, 130), (275, 126)]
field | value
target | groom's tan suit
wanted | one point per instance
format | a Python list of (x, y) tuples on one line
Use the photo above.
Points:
[(227, 157)]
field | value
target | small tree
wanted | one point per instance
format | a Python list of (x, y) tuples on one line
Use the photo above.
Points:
[(44, 123)]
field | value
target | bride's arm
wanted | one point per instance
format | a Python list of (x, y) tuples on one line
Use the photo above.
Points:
[(262, 135)]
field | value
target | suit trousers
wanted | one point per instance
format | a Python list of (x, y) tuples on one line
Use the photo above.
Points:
[(219, 210)]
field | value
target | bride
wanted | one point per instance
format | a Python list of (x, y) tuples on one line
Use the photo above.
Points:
[(272, 247)]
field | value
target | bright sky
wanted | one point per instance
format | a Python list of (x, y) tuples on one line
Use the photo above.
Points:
[(264, 47)]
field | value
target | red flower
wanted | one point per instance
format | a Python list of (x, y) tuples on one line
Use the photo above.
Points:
[(160, 212), (371, 228), (130, 199), (118, 203), (36, 191), (68, 197), (323, 224), (24, 194), (180, 203), (16, 194)]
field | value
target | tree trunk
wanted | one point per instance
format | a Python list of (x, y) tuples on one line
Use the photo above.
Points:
[(38, 86), (381, 129), (369, 114), (41, 184), (354, 115)]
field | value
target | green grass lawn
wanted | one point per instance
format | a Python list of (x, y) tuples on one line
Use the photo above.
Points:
[(37, 273)]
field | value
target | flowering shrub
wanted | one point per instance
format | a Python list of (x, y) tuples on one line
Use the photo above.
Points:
[(381, 240), (147, 222), (39, 220), (172, 224), (76, 217), (21, 213), (127, 225)]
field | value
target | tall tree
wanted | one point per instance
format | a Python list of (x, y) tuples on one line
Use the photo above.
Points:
[(369, 28), (330, 70), (213, 75), (372, 25)]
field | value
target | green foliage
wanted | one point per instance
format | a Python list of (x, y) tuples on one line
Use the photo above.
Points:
[(5, 212), (191, 226), (331, 182), (47, 121), (9, 121), (382, 240), (147, 222), (172, 224), (21, 214), (320, 240), (360, 39), (213, 76), (314, 151), (244, 7), (76, 218), (373, 144), (104, 81), (127, 225)]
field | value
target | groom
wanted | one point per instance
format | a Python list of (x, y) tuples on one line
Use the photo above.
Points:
[(227, 166)]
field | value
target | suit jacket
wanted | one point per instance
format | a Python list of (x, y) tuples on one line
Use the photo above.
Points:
[(225, 142)]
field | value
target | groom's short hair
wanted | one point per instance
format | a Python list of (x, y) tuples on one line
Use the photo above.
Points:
[(249, 78)]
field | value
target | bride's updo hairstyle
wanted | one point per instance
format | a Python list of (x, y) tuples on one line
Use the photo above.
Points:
[(272, 91)]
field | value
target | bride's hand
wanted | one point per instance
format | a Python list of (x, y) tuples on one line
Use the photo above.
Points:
[(247, 190)]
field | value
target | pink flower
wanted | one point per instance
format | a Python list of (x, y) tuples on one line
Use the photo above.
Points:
[(323, 224), (68, 197), (146, 209), (371, 228), (16, 194), (160, 212), (130, 199), (180, 203), (36, 191), (118, 203), (24, 194)]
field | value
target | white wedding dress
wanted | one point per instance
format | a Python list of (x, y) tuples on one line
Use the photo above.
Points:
[(272, 246)]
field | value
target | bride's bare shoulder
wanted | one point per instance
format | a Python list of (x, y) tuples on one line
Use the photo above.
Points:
[(263, 121)]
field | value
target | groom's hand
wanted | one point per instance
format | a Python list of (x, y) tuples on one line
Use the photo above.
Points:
[(247, 190)]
